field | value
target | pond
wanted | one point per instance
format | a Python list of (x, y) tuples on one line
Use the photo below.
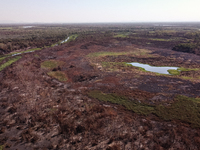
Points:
[(161, 70)]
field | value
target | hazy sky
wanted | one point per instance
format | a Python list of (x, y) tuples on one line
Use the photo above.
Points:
[(77, 11)]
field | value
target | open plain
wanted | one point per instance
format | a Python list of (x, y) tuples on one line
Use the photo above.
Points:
[(83, 94)]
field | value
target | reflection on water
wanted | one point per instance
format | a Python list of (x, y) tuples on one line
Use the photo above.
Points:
[(27, 26), (65, 40), (162, 70), (21, 53), (16, 54)]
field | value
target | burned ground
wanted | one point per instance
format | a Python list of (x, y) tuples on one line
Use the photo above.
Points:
[(96, 101)]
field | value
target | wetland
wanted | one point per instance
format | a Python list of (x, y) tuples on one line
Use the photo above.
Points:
[(73, 86), (161, 70)]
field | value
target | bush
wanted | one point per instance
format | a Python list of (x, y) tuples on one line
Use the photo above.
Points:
[(185, 47)]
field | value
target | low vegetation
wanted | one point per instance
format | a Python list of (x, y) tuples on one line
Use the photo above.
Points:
[(2, 58), (1, 147), (121, 35), (9, 62), (51, 64), (83, 94), (102, 54), (72, 37), (115, 66), (184, 108), (121, 100), (135, 52), (185, 47), (22, 52), (174, 72), (58, 75)]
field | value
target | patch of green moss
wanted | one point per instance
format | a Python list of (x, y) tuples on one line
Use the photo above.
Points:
[(51, 64), (1, 147), (187, 78), (72, 37), (34, 49), (173, 72), (135, 52), (37, 56), (52, 45), (2, 58), (102, 54), (178, 71), (29, 50), (184, 108), (9, 62), (113, 66), (121, 35), (188, 69), (141, 69), (165, 40), (116, 99), (58, 75)]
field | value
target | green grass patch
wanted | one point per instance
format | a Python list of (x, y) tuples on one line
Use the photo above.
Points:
[(164, 40), (116, 99), (121, 35), (114, 66), (53, 45), (188, 69), (1, 147), (58, 75), (135, 52), (34, 49), (9, 62), (37, 56), (184, 108), (141, 69), (2, 58), (72, 37), (102, 54), (51, 64), (174, 72), (178, 71), (186, 78), (29, 50), (6, 28)]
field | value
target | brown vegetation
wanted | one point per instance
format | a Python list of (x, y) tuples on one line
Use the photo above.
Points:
[(83, 95)]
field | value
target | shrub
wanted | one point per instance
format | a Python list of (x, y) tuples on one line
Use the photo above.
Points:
[(185, 47)]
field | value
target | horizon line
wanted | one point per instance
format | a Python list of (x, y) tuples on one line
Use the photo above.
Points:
[(101, 22)]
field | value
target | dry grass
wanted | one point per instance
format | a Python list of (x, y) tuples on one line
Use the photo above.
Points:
[(51, 64), (58, 75)]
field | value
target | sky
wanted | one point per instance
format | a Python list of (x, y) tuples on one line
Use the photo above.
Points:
[(97, 11)]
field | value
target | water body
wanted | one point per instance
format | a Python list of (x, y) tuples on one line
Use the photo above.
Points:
[(16, 54), (27, 26), (162, 70), (21, 53), (65, 40)]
